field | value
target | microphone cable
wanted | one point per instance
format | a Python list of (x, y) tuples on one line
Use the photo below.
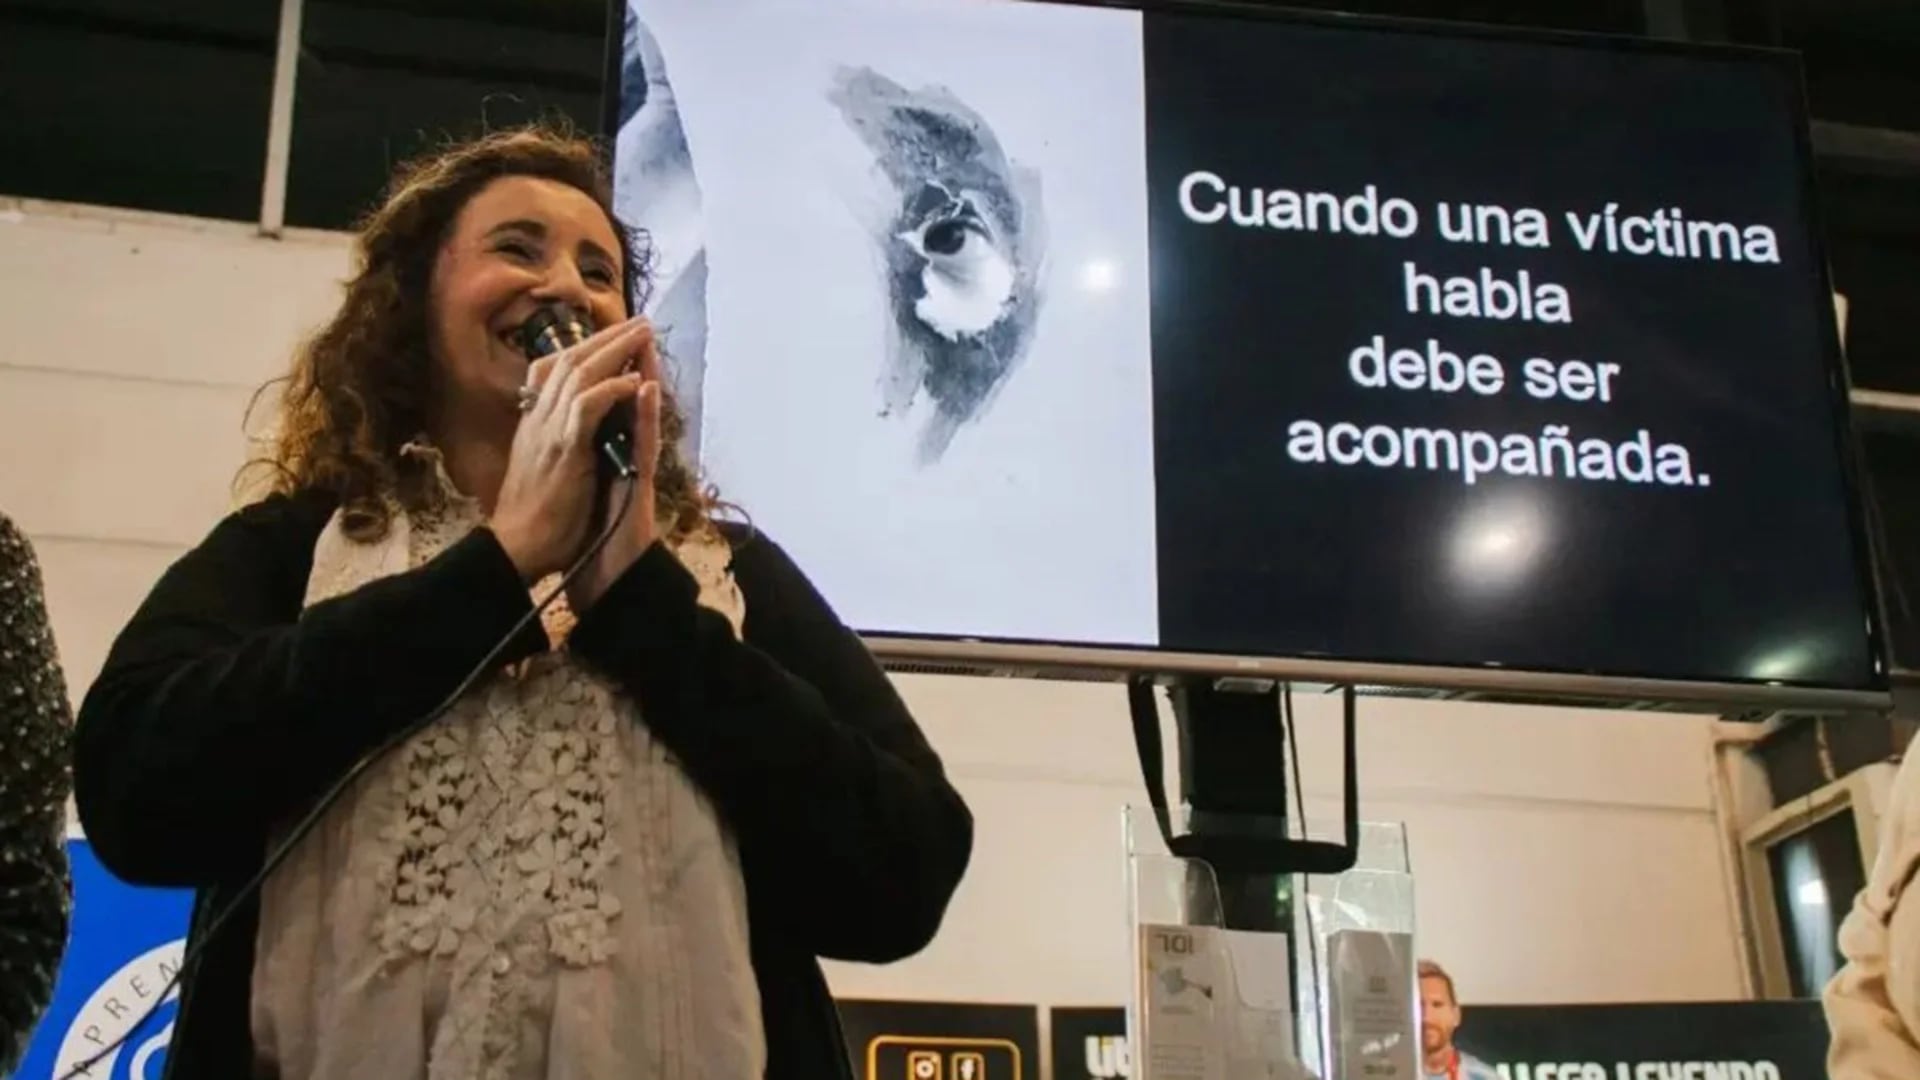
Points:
[(628, 478)]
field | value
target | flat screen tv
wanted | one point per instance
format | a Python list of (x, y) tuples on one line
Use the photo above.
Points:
[(1057, 337)]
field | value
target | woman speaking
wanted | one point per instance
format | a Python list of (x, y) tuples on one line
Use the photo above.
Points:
[(621, 852)]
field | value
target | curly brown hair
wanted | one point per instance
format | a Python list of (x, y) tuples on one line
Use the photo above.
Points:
[(359, 387)]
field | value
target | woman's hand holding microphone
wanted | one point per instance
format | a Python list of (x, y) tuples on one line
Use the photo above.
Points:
[(545, 509)]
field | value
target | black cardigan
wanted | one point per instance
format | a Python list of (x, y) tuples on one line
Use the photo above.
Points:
[(224, 707)]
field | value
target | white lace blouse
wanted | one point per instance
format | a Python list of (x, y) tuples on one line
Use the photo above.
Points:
[(529, 888)]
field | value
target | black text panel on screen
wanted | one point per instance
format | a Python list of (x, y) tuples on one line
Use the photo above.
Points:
[(1085, 340)]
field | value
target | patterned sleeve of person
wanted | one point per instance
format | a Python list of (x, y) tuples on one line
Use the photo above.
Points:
[(35, 777)]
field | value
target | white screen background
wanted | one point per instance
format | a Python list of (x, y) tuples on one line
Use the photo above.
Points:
[(1039, 520)]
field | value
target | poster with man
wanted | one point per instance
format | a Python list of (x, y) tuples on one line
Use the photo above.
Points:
[(1439, 1020)]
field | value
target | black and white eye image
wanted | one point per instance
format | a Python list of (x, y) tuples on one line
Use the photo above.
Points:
[(901, 274), (963, 244)]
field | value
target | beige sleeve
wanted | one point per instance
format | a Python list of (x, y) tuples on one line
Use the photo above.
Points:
[(1873, 1004)]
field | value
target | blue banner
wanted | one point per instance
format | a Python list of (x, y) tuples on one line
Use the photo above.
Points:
[(126, 945)]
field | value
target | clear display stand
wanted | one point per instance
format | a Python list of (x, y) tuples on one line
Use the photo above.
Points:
[(1365, 986), (1208, 1003), (1332, 998)]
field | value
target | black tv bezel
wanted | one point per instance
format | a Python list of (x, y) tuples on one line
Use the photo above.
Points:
[(1040, 658)]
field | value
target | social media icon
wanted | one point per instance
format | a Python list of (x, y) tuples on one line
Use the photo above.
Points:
[(969, 1065), (923, 1065)]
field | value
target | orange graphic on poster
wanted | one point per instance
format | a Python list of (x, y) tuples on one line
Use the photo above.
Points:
[(922, 1057)]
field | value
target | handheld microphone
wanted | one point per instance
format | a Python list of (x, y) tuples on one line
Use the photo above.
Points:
[(557, 326)]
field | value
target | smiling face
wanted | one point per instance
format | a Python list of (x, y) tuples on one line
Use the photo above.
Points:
[(519, 243)]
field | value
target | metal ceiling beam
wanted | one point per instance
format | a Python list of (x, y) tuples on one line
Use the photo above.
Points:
[(1885, 147), (286, 63)]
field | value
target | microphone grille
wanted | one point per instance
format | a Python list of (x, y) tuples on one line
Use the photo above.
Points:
[(553, 327)]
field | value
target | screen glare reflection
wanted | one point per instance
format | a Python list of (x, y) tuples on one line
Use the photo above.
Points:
[(1497, 544)]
